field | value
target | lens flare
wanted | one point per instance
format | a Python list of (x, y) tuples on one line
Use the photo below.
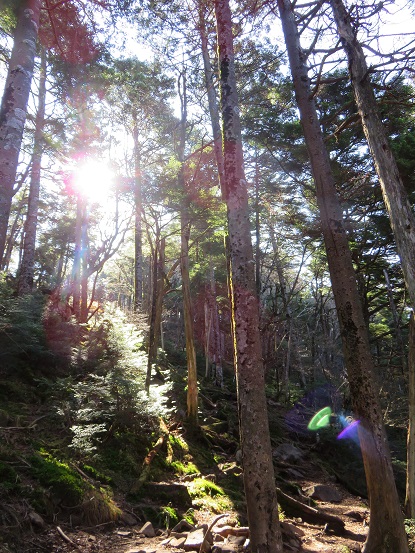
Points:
[(348, 431), (321, 419)]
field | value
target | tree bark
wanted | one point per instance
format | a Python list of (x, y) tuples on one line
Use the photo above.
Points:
[(26, 270), (211, 96), (259, 483), (14, 106), (138, 231), (394, 194), (185, 224), (156, 304), (386, 530), (410, 450)]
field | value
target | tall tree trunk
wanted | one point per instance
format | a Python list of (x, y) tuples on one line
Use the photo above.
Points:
[(83, 317), (185, 224), (138, 231), (15, 228), (26, 270), (160, 293), (410, 450), (257, 231), (78, 257), (394, 194), (156, 304), (211, 95), (386, 530), (399, 339), (259, 483), (14, 105)]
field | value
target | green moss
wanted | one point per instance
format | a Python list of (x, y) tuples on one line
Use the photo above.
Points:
[(184, 467), (167, 517), (94, 473), (65, 483), (201, 487)]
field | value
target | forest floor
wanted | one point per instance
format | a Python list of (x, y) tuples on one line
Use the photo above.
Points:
[(311, 538), (303, 460)]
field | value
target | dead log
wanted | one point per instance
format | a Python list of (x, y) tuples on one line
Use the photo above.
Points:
[(295, 508)]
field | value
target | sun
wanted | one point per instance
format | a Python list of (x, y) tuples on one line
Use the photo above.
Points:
[(94, 180)]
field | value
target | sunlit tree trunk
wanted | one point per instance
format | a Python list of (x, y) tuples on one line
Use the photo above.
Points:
[(138, 231), (259, 483), (84, 270), (160, 294), (14, 105), (152, 339), (16, 228), (26, 270), (185, 224), (386, 530)]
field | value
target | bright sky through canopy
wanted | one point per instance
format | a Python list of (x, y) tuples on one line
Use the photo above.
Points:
[(94, 180)]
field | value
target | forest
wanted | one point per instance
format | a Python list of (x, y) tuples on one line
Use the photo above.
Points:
[(207, 276)]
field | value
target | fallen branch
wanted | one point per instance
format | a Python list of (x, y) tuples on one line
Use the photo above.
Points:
[(67, 538), (309, 514), (212, 524)]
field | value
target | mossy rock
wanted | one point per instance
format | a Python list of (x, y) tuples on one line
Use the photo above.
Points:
[(173, 494), (65, 483)]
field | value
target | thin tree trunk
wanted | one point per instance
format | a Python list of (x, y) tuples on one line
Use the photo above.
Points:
[(410, 470), (14, 106), (395, 316), (211, 96), (77, 262), (26, 270), (152, 344), (160, 291), (138, 231), (192, 387), (259, 483), (394, 194), (84, 268), (257, 231), (386, 530)]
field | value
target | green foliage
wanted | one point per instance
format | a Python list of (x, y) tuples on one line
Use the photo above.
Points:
[(168, 517), (65, 483), (9, 479)]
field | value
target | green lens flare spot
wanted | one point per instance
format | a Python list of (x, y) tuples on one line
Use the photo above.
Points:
[(320, 419)]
